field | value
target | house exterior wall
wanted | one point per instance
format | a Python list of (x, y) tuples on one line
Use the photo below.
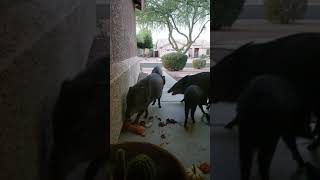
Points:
[(46, 42), (125, 67)]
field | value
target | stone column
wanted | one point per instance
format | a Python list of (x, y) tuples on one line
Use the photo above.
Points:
[(124, 67)]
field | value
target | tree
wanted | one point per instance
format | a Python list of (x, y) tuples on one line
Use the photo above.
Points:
[(175, 15), (144, 39)]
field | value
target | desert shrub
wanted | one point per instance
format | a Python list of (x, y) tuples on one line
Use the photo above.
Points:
[(225, 12), (285, 11), (204, 56), (174, 61), (199, 63)]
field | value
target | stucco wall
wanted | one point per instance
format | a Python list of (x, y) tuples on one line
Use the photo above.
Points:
[(125, 65), (45, 43), (123, 30)]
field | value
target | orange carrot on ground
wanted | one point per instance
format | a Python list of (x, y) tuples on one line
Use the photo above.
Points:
[(137, 129)]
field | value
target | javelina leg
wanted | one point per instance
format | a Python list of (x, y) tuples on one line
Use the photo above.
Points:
[(193, 109), (246, 156), (182, 100), (146, 113), (93, 168), (206, 114), (231, 124), (159, 103), (290, 141), (138, 117), (201, 108), (154, 101), (265, 155), (186, 113)]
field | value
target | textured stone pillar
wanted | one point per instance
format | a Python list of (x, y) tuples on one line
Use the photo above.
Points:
[(125, 65)]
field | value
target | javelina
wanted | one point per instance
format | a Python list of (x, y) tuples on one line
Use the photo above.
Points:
[(158, 70), (194, 96), (79, 122), (267, 110), (201, 79), (294, 58), (142, 94)]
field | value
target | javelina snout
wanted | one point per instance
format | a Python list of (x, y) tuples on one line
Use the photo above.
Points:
[(180, 86), (137, 101)]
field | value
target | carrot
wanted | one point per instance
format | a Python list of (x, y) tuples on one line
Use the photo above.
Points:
[(137, 129)]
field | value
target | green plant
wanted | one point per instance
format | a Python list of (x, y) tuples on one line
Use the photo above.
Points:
[(174, 61), (144, 39), (199, 63), (285, 11), (225, 12), (203, 56)]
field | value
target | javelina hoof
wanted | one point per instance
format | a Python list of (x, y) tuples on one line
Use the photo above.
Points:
[(160, 106)]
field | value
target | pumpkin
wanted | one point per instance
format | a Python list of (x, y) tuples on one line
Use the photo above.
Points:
[(194, 173), (141, 167)]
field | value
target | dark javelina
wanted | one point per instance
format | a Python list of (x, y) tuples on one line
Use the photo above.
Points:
[(294, 57), (79, 122), (194, 96), (142, 94), (267, 110), (158, 70), (201, 79)]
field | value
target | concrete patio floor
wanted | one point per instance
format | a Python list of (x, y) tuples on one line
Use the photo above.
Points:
[(225, 156), (190, 146)]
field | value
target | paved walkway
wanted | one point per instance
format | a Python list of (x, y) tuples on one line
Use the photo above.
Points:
[(190, 146)]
